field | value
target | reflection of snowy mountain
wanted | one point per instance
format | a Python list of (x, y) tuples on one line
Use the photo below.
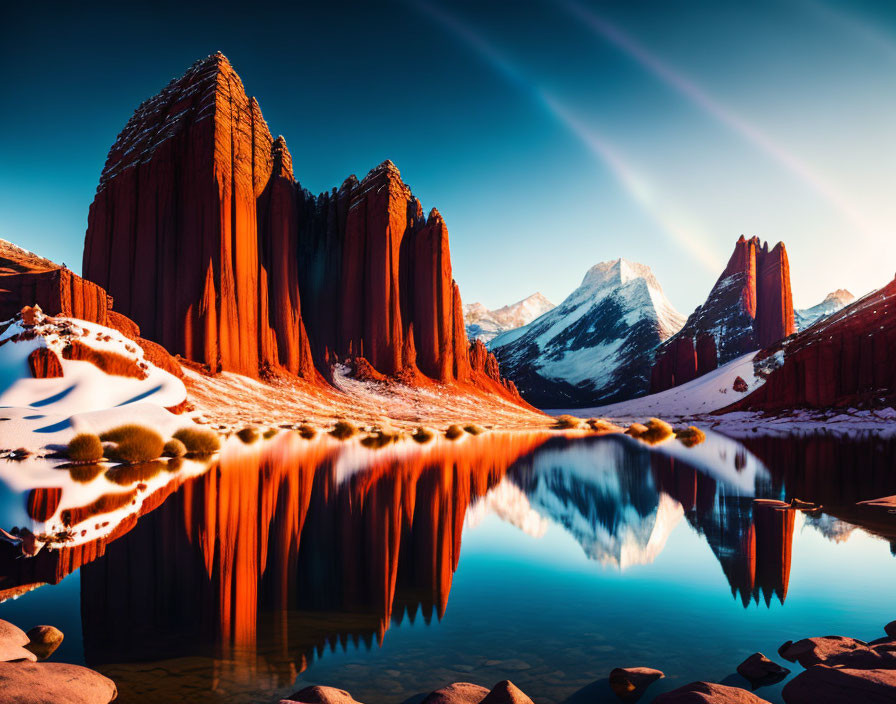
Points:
[(603, 494), (508, 502)]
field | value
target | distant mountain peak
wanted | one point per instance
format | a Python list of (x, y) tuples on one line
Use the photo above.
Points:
[(833, 302), (596, 346), (484, 324)]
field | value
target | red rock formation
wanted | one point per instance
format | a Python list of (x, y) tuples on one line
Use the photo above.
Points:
[(845, 360), (44, 363), (58, 292), (179, 195), (196, 190), (749, 307), (43, 502)]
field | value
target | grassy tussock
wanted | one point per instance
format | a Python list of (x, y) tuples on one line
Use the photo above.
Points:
[(269, 433), (422, 435), (636, 430), (453, 432), (343, 430), (174, 448), (307, 432), (380, 439), (133, 443), (248, 435), (474, 429), (567, 422), (653, 431), (599, 425), (198, 441), (85, 447), (690, 436)]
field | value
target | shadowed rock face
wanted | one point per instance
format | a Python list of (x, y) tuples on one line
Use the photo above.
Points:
[(749, 308), (846, 359), (201, 233)]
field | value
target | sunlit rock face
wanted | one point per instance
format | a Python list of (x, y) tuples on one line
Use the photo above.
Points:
[(202, 235), (749, 308)]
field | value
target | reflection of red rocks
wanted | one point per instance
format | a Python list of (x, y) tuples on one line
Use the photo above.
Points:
[(275, 529), (752, 539)]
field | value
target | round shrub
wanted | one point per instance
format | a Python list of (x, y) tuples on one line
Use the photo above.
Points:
[(134, 443), (307, 432), (198, 441), (474, 429), (174, 448), (248, 435), (85, 447), (343, 430), (454, 432), (422, 435)]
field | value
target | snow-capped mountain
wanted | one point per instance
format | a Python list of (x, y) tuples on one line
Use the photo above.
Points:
[(595, 347), (484, 324), (831, 304)]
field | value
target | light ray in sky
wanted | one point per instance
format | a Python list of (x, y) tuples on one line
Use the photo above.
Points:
[(635, 184), (731, 119)]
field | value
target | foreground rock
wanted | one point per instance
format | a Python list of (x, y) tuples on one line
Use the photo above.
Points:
[(59, 683), (12, 643), (840, 651), (505, 692), (821, 684), (759, 670), (708, 693), (321, 695), (629, 683), (43, 641), (458, 693)]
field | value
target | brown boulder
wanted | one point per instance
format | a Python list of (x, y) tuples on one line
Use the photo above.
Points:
[(44, 363), (457, 693), (708, 693), (43, 641), (760, 670), (321, 695), (890, 629), (629, 683), (740, 385), (59, 683), (12, 643), (505, 692), (821, 684), (834, 650)]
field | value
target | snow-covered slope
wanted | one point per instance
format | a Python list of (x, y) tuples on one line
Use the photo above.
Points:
[(704, 394), (484, 324), (42, 412), (595, 346), (831, 304)]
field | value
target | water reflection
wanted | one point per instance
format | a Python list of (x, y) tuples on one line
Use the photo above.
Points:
[(240, 574)]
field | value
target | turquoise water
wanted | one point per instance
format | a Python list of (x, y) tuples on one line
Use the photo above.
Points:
[(572, 557)]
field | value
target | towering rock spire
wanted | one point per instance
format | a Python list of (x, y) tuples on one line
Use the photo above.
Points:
[(192, 226), (749, 308), (202, 235)]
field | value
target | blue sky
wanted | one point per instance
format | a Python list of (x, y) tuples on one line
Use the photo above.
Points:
[(551, 135)]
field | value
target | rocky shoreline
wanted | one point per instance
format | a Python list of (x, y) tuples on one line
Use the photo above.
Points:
[(836, 669)]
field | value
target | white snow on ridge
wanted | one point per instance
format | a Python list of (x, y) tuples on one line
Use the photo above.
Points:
[(704, 394), (42, 412), (485, 324)]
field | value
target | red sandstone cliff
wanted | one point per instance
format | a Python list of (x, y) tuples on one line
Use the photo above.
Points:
[(202, 235), (847, 359), (750, 307)]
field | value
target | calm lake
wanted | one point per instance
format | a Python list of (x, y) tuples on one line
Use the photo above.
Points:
[(531, 557)]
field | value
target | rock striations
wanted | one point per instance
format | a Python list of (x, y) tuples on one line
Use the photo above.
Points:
[(750, 307), (845, 359), (202, 235)]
